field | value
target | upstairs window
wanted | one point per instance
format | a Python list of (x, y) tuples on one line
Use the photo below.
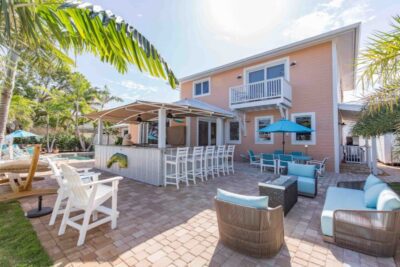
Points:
[(201, 88)]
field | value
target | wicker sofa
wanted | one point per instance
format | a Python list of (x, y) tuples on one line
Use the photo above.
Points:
[(251, 231), (347, 222)]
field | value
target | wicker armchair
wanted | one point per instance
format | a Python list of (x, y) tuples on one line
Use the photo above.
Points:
[(371, 232), (254, 232)]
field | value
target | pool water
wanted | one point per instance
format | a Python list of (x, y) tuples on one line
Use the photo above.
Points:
[(76, 156)]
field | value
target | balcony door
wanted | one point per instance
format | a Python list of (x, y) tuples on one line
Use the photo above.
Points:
[(257, 76), (207, 132)]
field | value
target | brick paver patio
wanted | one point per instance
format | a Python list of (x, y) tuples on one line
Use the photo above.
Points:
[(168, 227)]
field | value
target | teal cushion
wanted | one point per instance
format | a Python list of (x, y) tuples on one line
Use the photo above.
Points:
[(340, 199), (388, 200), (301, 170), (242, 200), (372, 194), (306, 185), (371, 180)]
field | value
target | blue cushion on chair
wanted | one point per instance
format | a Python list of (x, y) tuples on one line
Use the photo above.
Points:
[(388, 200), (242, 200), (306, 185), (372, 194), (371, 180), (301, 170)]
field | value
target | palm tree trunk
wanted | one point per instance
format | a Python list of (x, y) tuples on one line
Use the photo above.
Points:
[(12, 59)]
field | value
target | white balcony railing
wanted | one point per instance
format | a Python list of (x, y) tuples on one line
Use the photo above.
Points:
[(355, 154), (278, 88)]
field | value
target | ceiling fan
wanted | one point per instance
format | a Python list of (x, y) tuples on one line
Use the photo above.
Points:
[(171, 116)]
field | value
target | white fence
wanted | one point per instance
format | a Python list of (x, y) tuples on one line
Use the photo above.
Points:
[(268, 89)]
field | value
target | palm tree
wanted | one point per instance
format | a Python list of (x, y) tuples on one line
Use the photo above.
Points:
[(37, 27)]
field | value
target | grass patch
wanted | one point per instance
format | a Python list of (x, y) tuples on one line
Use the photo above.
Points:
[(19, 245)]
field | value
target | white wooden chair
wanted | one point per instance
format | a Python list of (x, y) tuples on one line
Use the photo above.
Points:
[(209, 161), (229, 156), (195, 164), (268, 161), (175, 167), (220, 160), (62, 192), (88, 197)]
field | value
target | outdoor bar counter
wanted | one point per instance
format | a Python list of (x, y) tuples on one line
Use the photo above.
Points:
[(144, 164)]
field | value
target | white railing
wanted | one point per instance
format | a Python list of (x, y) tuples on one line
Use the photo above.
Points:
[(355, 154), (268, 89)]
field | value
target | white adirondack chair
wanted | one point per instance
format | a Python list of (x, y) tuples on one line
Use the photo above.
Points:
[(62, 192), (88, 197)]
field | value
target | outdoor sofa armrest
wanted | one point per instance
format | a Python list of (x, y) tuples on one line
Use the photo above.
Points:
[(368, 231), (358, 185)]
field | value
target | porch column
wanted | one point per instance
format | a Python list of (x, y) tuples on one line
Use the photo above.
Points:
[(162, 130), (188, 130), (374, 152), (220, 132), (100, 132), (368, 153)]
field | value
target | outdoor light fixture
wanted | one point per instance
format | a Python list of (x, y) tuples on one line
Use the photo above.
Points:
[(294, 63), (139, 118), (239, 77), (169, 115)]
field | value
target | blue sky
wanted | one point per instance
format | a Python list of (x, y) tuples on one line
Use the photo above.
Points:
[(194, 35)]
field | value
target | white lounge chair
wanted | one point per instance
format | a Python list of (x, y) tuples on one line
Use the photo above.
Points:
[(88, 197), (319, 164)]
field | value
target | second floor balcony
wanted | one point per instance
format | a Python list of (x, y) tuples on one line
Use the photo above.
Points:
[(267, 93)]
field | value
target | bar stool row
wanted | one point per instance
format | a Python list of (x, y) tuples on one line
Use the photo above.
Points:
[(189, 164)]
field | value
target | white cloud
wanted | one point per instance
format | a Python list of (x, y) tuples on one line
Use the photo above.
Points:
[(129, 84), (329, 16)]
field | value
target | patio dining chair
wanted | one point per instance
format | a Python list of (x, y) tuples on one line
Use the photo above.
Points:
[(195, 164), (62, 192), (283, 162), (229, 156), (89, 198), (278, 152), (254, 160), (297, 153), (268, 161), (175, 167), (319, 165)]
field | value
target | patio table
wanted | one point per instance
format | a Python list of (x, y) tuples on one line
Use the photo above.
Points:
[(302, 159), (280, 191)]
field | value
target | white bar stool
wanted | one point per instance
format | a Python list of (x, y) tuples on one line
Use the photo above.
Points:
[(209, 161), (229, 155), (220, 160), (178, 166), (195, 164)]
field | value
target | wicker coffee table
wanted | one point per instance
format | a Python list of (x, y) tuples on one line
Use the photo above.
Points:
[(280, 191)]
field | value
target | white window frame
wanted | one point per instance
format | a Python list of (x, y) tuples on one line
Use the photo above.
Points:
[(228, 135), (264, 66), (256, 140), (313, 140), (208, 79)]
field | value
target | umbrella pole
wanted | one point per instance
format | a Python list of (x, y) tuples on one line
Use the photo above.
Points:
[(283, 142)]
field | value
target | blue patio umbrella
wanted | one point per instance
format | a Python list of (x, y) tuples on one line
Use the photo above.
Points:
[(285, 126), (20, 134)]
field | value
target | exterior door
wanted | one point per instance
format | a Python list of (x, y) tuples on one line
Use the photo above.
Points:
[(203, 133), (207, 133)]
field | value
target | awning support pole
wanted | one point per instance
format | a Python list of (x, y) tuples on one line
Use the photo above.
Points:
[(220, 132), (99, 131), (162, 128)]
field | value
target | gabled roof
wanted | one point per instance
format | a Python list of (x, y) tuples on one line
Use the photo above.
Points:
[(318, 39), (194, 103)]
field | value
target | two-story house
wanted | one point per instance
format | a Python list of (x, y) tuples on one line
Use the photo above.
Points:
[(305, 82)]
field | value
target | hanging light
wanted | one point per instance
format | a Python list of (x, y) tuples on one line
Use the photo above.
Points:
[(169, 115), (139, 118)]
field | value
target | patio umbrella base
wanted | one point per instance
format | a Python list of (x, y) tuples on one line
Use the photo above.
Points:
[(40, 211), (35, 213)]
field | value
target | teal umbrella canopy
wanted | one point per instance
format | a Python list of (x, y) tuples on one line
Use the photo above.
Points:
[(285, 126), (20, 134)]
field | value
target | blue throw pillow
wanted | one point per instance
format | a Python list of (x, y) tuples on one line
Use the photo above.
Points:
[(372, 194), (371, 180), (242, 200), (388, 200)]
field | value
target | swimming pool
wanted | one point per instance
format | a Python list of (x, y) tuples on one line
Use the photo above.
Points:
[(75, 156)]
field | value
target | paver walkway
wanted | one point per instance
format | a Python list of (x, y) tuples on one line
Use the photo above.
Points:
[(168, 227)]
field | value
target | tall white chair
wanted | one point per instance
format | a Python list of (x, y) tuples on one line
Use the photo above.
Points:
[(209, 160), (220, 160), (62, 192), (229, 156), (175, 167), (195, 164), (88, 197)]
